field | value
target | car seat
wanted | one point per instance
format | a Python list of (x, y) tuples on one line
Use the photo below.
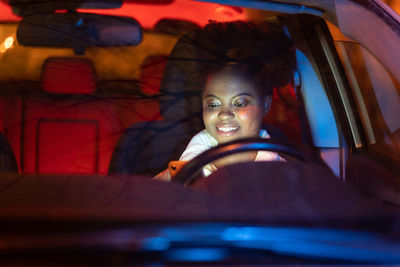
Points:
[(68, 127), (151, 74), (8, 162), (147, 147)]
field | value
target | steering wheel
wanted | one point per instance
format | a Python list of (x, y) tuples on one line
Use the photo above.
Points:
[(187, 175)]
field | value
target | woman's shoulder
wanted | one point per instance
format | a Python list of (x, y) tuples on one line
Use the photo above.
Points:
[(205, 138), (199, 143)]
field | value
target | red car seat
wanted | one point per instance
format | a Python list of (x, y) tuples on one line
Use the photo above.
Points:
[(8, 162), (68, 126)]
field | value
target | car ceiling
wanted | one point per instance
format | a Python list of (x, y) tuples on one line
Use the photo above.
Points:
[(178, 9), (327, 6)]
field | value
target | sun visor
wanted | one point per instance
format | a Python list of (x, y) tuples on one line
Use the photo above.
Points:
[(29, 7)]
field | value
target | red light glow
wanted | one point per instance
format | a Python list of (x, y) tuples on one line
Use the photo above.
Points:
[(200, 13), (148, 15), (6, 14)]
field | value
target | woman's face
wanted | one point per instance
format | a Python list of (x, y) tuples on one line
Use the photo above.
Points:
[(232, 107)]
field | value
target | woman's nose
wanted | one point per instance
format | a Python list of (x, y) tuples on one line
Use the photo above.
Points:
[(226, 114)]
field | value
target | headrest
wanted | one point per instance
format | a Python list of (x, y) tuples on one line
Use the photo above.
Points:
[(68, 76), (181, 86), (151, 74)]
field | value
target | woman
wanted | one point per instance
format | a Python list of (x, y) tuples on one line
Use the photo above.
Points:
[(248, 60)]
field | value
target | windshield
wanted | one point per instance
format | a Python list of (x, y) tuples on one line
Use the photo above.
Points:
[(125, 128), (74, 126)]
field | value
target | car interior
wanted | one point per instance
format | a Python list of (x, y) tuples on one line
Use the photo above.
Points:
[(129, 105), (97, 97), (91, 122)]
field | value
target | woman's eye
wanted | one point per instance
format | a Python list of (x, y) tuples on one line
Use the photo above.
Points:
[(241, 104), (213, 105)]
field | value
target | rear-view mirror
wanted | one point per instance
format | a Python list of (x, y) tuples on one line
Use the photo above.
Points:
[(78, 30)]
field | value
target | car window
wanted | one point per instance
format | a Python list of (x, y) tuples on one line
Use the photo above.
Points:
[(314, 83), (319, 110), (377, 95), (375, 91)]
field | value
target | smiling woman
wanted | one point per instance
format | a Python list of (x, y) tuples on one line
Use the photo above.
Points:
[(238, 81)]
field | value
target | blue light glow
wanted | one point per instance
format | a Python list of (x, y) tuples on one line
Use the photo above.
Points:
[(271, 233), (315, 243), (197, 254), (79, 23), (175, 234), (156, 244), (214, 242)]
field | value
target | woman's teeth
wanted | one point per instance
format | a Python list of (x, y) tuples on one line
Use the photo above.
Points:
[(227, 129)]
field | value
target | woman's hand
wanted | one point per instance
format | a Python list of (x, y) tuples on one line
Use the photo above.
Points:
[(163, 176), (232, 159)]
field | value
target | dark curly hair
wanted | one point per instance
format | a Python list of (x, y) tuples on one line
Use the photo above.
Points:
[(263, 52)]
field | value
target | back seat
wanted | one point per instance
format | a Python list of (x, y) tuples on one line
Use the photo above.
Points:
[(68, 124), (11, 94)]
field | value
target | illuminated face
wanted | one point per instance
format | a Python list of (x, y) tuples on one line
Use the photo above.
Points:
[(232, 107)]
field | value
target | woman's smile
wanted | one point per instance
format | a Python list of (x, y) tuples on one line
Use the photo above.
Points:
[(227, 129)]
